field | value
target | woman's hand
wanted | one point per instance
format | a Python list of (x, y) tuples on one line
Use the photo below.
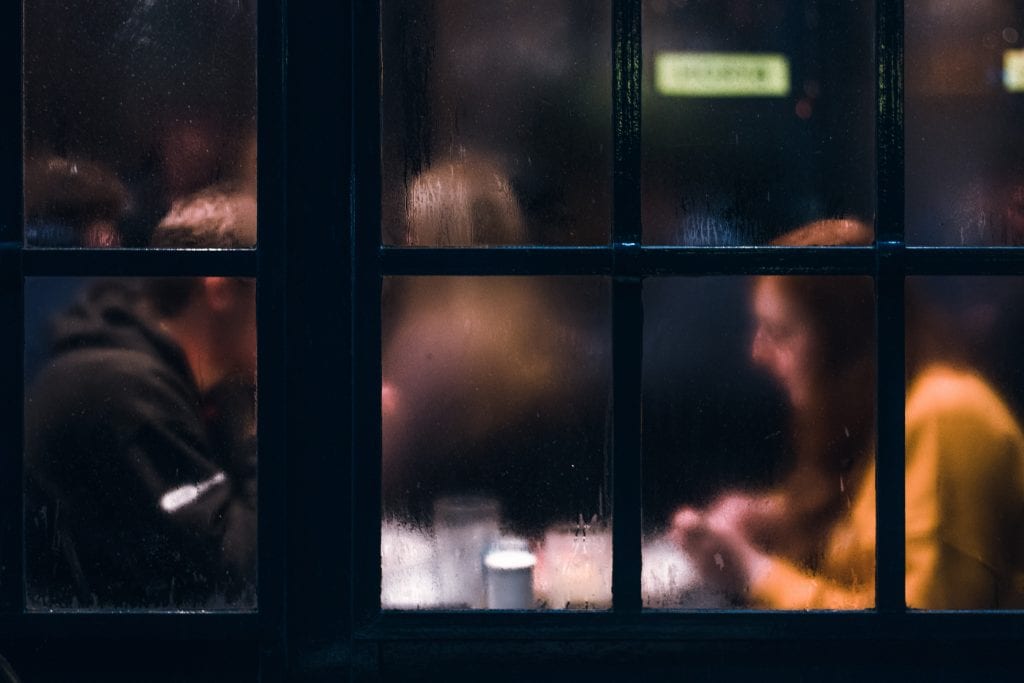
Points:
[(717, 543), (757, 517)]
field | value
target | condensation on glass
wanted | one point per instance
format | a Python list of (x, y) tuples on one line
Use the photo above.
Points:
[(495, 398), (964, 99), (140, 123), (758, 117), (140, 443), (758, 432), (496, 122), (965, 450)]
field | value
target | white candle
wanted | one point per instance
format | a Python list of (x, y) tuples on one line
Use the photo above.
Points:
[(510, 579)]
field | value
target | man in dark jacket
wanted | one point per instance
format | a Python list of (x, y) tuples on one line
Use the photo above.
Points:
[(141, 449)]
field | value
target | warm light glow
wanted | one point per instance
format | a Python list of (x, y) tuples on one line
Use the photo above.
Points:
[(721, 74), (1013, 70), (510, 560)]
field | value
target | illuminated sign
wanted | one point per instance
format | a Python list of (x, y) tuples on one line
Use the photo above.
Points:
[(1013, 70), (721, 74)]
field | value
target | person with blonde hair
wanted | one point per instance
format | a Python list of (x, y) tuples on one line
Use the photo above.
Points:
[(465, 359), (463, 203)]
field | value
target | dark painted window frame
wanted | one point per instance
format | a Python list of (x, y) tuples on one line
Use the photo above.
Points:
[(319, 267)]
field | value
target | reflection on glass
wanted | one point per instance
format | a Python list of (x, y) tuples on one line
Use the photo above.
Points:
[(965, 449), (137, 114), (964, 152), (140, 443), (757, 118), (758, 442), (494, 398), (496, 114)]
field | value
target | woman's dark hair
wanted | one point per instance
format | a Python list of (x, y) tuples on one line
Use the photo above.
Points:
[(834, 438), (841, 308)]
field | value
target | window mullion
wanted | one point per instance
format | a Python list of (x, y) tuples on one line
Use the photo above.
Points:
[(627, 54), (889, 231), (272, 321), (889, 482), (12, 317), (12, 320), (10, 114), (367, 271), (627, 309)]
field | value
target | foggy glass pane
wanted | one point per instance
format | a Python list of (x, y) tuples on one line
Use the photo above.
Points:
[(758, 117), (495, 400), (758, 404), (964, 100), (140, 443), (496, 122), (965, 449), (140, 123)]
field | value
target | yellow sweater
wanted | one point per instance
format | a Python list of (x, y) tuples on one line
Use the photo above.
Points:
[(964, 511)]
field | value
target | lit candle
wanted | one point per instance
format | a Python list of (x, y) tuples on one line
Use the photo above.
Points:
[(577, 568), (510, 578)]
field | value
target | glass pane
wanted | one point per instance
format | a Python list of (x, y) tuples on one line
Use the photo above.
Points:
[(965, 449), (758, 435), (140, 123), (758, 117), (496, 122), (140, 443), (964, 102), (495, 400)]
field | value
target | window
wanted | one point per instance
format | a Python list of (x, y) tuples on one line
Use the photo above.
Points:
[(326, 206)]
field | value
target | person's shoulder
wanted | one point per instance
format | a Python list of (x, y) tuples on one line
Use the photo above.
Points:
[(951, 393), (112, 377), (99, 366)]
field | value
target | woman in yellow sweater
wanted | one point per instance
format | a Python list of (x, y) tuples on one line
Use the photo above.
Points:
[(810, 543)]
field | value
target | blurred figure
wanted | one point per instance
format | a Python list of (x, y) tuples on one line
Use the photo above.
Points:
[(1007, 202), (221, 216), (468, 361), (965, 176), (987, 210), (811, 542), (73, 203), (525, 85), (161, 93), (491, 339), (465, 203), (141, 448), (745, 169)]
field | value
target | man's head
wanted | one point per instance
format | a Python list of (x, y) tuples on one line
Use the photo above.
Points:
[(218, 217), (73, 203), (213, 319)]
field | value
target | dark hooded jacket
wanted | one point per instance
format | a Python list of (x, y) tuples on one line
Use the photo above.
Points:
[(140, 491)]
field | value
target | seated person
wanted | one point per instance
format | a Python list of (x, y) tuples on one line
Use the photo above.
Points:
[(141, 449), (482, 376), (73, 203), (463, 203), (220, 216), (810, 544)]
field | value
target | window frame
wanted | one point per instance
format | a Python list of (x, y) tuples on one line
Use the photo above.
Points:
[(229, 645), (890, 627), (319, 266)]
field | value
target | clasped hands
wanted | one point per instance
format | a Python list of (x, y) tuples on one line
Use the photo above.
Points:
[(724, 540)]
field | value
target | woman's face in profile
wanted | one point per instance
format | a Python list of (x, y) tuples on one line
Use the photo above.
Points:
[(783, 341)]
